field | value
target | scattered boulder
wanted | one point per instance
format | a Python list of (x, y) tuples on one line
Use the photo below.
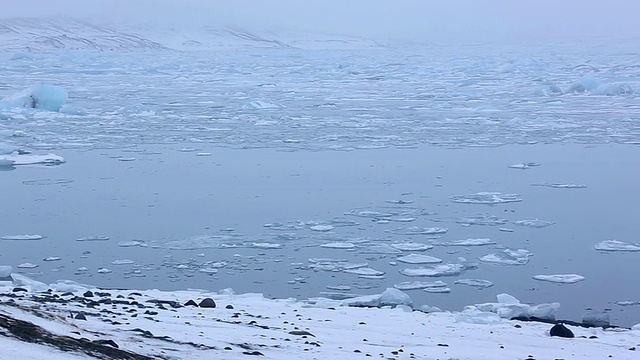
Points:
[(80, 316), (88, 294), (561, 331), (190, 303), (207, 303)]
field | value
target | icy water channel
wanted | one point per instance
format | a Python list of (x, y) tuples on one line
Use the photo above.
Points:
[(308, 223)]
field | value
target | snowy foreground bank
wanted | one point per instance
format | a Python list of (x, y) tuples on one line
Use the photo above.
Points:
[(70, 321)]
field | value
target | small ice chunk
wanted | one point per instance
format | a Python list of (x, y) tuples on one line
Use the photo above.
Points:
[(52, 258), (22, 237), (472, 315), (338, 245), (104, 271), (561, 185), (476, 283), (415, 230), (524, 166), (126, 159), (390, 297), (28, 159), (399, 202), (44, 96), (203, 154), (417, 285), (560, 278), (536, 224), (339, 287), (435, 270), (122, 262), (506, 230), (439, 290), (25, 282), (265, 245), (507, 299), (27, 265), (5, 271), (209, 270), (130, 243), (93, 238), (486, 198), (615, 245), (429, 309), (467, 242), (322, 228), (482, 220), (419, 259), (508, 257), (364, 271), (411, 246)]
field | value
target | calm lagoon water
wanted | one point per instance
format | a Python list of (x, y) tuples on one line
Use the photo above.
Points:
[(169, 200)]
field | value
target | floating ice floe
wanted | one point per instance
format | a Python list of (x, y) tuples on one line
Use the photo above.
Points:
[(419, 259), (131, 243), (439, 290), (486, 220), (338, 245), (364, 271), (560, 278), (44, 97), (506, 230), (537, 224), (339, 287), (27, 265), (561, 185), (615, 245), (508, 257), (47, 182), (122, 262), (31, 159), (476, 283), (437, 270), (419, 285), (208, 270), (93, 238), (411, 246), (487, 198), (466, 242), (104, 271), (415, 230), (22, 237), (52, 258), (389, 213), (322, 228), (265, 245), (627, 303), (523, 166)]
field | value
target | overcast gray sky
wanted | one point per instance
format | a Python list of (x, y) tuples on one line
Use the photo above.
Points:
[(441, 21)]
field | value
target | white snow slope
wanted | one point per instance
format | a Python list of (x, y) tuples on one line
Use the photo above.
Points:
[(282, 329)]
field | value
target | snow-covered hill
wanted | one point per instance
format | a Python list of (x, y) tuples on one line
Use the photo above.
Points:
[(47, 34), (44, 34)]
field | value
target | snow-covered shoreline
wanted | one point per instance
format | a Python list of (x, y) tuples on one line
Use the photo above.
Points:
[(154, 324)]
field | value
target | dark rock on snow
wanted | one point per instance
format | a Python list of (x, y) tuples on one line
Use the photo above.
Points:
[(207, 303), (561, 331)]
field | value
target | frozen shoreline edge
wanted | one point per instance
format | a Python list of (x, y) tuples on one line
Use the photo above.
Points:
[(269, 326)]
